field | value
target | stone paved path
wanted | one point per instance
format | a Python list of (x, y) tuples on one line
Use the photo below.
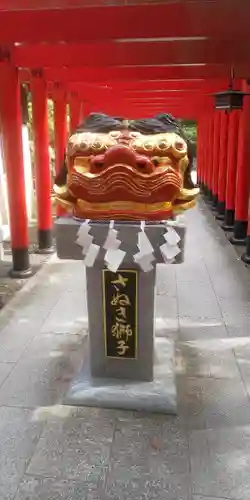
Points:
[(53, 452)]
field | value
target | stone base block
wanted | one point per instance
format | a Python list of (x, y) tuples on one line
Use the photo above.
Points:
[(158, 396)]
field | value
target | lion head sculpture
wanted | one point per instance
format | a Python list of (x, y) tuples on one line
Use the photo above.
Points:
[(114, 170)]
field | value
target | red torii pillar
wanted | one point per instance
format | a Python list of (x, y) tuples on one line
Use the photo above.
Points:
[(201, 153), (60, 131), (222, 174), (11, 128), (42, 162), (205, 149), (216, 152), (246, 256), (210, 157), (74, 111), (243, 175), (232, 151)]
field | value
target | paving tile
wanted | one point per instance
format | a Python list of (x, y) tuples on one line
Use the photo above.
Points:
[(168, 328), (235, 331), (242, 353), (5, 369), (201, 497), (19, 434), (235, 311), (140, 483), (195, 291), (194, 330), (33, 313), (189, 402), (40, 298), (38, 488), (74, 450), (70, 466), (224, 403), (165, 307), (14, 340), (165, 280), (207, 358), (75, 434), (51, 277), (221, 469), (212, 403), (197, 300), (150, 443), (44, 371), (194, 271), (68, 316), (8, 488)]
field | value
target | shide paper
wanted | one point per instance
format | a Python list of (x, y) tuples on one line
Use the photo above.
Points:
[(144, 257), (85, 240), (114, 256), (170, 249)]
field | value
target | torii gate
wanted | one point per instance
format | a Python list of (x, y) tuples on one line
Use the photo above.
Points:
[(132, 67)]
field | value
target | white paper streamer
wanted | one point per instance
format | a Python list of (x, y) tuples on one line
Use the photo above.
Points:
[(172, 237), (144, 244), (111, 240), (91, 255), (84, 239), (145, 256), (169, 252), (114, 258), (144, 261)]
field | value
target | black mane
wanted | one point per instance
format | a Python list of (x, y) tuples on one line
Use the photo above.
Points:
[(99, 122)]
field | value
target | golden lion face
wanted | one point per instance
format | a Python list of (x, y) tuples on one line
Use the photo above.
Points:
[(126, 175)]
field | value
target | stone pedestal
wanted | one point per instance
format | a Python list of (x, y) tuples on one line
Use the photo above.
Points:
[(127, 365)]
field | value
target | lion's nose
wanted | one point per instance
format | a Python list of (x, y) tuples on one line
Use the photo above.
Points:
[(120, 154)]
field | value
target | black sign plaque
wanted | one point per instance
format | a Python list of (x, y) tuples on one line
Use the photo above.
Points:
[(120, 313)]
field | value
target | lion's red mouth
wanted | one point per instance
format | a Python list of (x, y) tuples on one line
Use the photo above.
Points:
[(124, 183)]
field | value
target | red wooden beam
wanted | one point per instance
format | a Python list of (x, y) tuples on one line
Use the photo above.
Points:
[(121, 108), (117, 53), (177, 19), (120, 99), (134, 74), (149, 112), (153, 87), (88, 93)]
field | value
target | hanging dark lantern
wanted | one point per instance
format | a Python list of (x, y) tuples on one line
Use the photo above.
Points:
[(229, 99)]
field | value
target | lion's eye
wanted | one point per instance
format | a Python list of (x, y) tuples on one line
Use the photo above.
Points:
[(148, 146), (115, 134), (97, 145), (163, 145), (179, 145), (83, 145)]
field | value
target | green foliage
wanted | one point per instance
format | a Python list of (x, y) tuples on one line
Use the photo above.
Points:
[(189, 128)]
